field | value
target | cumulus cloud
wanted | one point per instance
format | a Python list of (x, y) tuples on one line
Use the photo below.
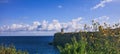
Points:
[(36, 23), (55, 25), (14, 27), (75, 24), (102, 4), (50, 27), (34, 26), (44, 25), (102, 20)]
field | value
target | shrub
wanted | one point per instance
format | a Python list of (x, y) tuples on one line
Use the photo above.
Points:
[(10, 50), (93, 44)]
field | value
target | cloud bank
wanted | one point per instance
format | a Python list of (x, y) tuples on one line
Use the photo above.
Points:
[(55, 25), (74, 25)]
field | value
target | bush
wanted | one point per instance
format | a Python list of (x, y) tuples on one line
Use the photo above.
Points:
[(74, 47), (93, 44), (10, 50)]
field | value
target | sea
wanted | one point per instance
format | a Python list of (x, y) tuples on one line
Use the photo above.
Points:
[(31, 44)]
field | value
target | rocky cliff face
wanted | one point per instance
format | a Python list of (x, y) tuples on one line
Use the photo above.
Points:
[(63, 38)]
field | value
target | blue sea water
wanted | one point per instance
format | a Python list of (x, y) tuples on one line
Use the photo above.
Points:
[(32, 44)]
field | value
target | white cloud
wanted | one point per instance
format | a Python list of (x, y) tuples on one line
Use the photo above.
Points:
[(102, 18), (64, 25), (75, 24), (36, 23), (50, 27), (14, 27), (102, 4), (119, 20), (55, 25), (32, 28), (60, 6), (77, 20), (44, 25)]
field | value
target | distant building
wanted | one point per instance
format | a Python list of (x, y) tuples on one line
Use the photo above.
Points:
[(62, 30)]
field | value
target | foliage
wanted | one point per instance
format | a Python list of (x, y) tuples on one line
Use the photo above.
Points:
[(10, 50), (74, 47), (106, 41)]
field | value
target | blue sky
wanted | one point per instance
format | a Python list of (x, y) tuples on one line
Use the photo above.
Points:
[(19, 12)]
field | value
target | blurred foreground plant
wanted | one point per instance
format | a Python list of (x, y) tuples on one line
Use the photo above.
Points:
[(11, 50)]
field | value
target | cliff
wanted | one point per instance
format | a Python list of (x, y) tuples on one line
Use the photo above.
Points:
[(63, 38)]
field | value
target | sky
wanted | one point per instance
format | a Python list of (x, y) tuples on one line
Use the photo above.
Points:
[(45, 17)]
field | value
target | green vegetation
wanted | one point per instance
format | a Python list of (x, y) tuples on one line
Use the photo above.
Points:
[(105, 41), (73, 48), (11, 50)]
